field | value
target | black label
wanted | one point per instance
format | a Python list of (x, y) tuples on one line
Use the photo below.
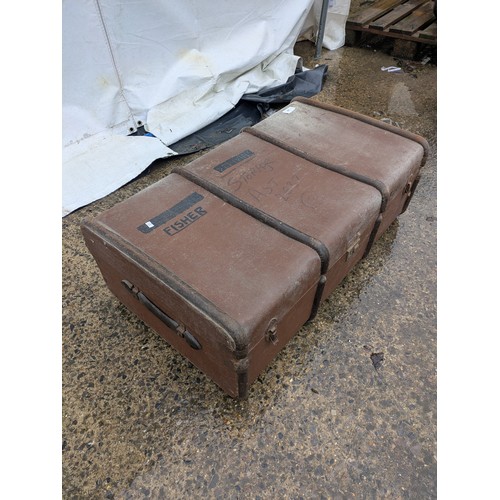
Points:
[(171, 213), (222, 167)]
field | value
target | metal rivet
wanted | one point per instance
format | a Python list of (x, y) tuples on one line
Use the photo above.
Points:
[(272, 331)]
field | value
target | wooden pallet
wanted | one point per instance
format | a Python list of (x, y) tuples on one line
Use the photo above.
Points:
[(408, 22)]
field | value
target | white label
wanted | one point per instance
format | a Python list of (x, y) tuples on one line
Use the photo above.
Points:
[(150, 224), (289, 110)]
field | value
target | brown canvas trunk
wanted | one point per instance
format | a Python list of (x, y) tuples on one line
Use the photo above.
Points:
[(228, 257)]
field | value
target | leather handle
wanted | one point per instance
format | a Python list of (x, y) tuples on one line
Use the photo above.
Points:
[(165, 318)]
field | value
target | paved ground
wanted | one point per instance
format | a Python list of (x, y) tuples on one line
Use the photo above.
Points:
[(321, 422)]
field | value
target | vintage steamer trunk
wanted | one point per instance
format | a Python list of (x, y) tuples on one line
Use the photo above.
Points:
[(228, 257)]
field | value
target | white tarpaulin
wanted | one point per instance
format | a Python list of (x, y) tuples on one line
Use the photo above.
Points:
[(172, 66)]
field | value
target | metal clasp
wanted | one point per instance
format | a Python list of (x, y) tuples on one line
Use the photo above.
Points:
[(352, 246)]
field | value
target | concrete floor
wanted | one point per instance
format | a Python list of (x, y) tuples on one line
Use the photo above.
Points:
[(140, 421)]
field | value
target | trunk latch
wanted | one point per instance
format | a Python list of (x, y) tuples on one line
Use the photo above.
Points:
[(353, 246)]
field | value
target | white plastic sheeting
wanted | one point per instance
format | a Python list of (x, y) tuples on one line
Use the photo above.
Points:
[(173, 66)]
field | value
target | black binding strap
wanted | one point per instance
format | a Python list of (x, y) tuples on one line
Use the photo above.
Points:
[(339, 169), (318, 246)]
